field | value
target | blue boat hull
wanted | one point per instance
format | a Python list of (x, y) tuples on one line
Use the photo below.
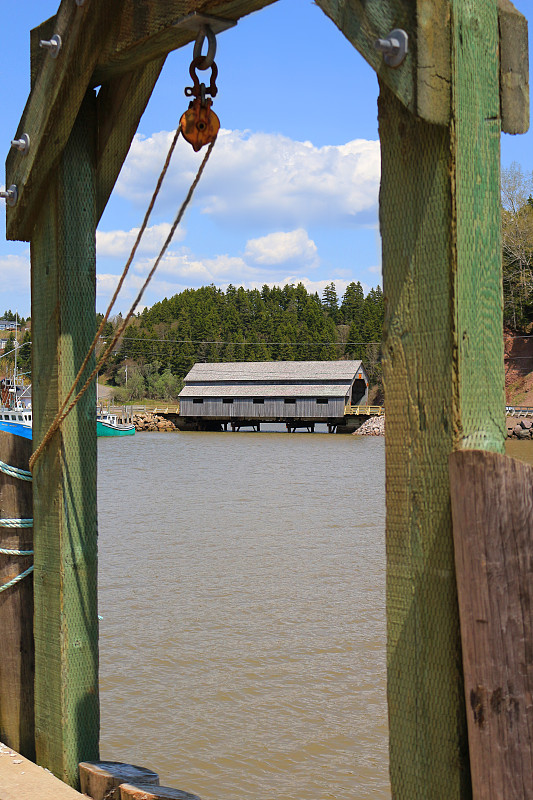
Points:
[(16, 428), (102, 429)]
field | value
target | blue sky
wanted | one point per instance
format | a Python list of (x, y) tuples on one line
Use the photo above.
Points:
[(290, 193)]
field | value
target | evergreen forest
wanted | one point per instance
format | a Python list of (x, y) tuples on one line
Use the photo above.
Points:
[(272, 324)]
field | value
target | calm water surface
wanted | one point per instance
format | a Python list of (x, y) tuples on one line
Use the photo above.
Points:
[(242, 589)]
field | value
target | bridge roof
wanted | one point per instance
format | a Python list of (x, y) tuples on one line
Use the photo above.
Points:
[(282, 371), (267, 390)]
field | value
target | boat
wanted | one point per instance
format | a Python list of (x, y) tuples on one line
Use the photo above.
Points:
[(18, 419), (14, 416), (108, 425), (16, 412), (15, 400)]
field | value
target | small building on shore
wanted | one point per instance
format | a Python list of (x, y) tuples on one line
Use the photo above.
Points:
[(273, 391)]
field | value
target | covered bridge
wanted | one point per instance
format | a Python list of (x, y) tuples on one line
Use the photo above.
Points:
[(295, 392)]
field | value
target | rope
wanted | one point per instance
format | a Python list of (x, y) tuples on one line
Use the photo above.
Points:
[(4, 551), (15, 472), (16, 523), (65, 410), (96, 339), (13, 581)]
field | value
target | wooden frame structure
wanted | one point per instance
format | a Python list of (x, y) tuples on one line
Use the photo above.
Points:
[(440, 116)]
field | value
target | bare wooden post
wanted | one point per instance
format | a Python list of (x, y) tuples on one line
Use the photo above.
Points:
[(16, 604), (492, 502), (65, 526), (443, 374)]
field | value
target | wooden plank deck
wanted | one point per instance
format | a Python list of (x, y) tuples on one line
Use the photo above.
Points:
[(21, 779)]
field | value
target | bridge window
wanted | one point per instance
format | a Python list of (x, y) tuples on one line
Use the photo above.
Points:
[(290, 401), (322, 401), (259, 401), (198, 400), (228, 400)]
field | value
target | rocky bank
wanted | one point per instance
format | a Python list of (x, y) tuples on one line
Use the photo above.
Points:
[(374, 426), (153, 422), (519, 428)]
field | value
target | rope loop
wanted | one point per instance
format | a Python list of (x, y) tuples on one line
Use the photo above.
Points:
[(15, 472), (5, 552), (15, 580), (16, 523)]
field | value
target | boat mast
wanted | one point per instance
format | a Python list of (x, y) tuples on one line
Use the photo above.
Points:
[(15, 369)]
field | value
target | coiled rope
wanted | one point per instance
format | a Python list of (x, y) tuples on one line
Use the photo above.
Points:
[(65, 409), (15, 472), (16, 523), (23, 475)]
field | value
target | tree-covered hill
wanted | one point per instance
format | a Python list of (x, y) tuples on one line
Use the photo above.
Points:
[(163, 342)]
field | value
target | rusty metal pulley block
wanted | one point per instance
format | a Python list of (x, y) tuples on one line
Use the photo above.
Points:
[(199, 124)]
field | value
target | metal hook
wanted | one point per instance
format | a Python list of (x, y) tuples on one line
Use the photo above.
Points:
[(207, 60)]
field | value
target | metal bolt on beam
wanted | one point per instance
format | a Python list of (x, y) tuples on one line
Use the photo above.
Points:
[(10, 195), (53, 45), (22, 144), (394, 47)]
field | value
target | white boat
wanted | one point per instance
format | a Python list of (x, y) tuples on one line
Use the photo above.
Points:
[(15, 401), (15, 416), (108, 425)]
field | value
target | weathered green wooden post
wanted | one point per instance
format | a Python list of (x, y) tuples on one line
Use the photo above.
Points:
[(443, 370), (64, 484)]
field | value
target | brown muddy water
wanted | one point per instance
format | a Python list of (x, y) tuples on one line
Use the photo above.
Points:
[(242, 589)]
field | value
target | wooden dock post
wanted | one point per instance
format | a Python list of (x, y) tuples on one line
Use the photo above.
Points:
[(492, 502), (443, 362), (64, 481), (16, 604)]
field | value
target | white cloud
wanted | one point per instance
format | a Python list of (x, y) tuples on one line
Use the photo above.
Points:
[(118, 244), (15, 273), (262, 179), (196, 271), (280, 248)]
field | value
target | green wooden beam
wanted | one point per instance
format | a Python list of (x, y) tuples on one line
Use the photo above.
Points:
[(64, 478), (444, 381), (121, 103), (59, 87), (148, 31), (514, 68)]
